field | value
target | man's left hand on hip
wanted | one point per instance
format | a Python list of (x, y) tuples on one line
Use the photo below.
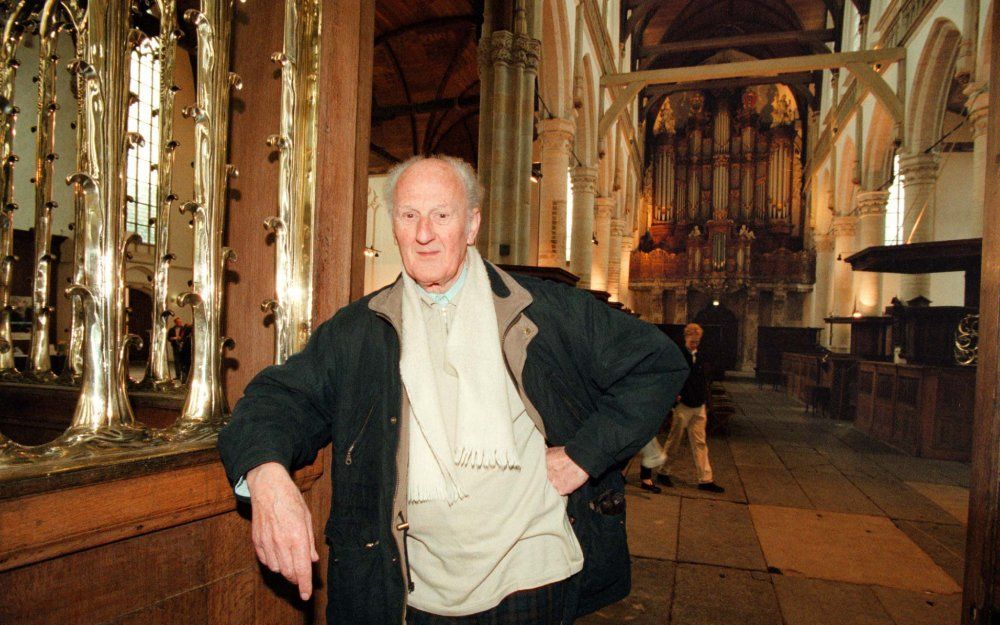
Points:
[(564, 474)]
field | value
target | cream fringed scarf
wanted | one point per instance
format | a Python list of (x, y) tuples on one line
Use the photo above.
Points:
[(484, 436)]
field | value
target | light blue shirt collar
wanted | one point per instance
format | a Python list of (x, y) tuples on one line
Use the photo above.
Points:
[(443, 299)]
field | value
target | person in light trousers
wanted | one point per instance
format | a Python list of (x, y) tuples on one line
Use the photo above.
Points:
[(689, 415)]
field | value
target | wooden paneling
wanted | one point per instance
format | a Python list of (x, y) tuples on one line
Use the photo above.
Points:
[(924, 411), (167, 546), (824, 381)]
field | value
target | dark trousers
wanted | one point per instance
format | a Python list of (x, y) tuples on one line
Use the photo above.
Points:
[(535, 606)]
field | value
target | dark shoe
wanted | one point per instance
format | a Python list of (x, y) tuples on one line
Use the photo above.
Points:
[(665, 480), (653, 488), (711, 487)]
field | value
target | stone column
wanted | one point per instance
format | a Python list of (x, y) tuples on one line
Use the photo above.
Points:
[(778, 305), (680, 305), (615, 258), (844, 229), (871, 208), (603, 209), (582, 245), (978, 106), (624, 292), (919, 172), (507, 64), (825, 258), (751, 320), (556, 137)]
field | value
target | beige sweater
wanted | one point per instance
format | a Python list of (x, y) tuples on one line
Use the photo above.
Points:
[(511, 533)]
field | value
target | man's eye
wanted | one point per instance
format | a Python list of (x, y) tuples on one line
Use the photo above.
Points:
[(441, 217)]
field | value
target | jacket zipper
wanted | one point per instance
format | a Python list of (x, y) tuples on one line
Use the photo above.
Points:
[(350, 450), (395, 486)]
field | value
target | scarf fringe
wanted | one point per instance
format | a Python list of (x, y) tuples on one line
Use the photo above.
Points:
[(419, 493), (487, 458)]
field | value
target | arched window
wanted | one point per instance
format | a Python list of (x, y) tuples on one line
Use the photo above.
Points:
[(143, 178), (894, 208)]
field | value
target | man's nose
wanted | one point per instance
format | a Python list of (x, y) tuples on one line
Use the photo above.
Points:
[(425, 231)]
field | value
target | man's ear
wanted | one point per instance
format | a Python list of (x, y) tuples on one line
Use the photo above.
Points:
[(474, 222)]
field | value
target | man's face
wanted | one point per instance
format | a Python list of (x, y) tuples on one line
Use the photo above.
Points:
[(692, 341), (178, 322), (431, 225)]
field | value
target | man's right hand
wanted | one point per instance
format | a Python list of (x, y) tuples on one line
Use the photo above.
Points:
[(282, 525)]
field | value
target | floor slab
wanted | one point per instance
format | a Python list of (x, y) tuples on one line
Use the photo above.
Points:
[(718, 532), (952, 499), (708, 595), (828, 489), (652, 523), (851, 548), (899, 501), (649, 602), (806, 601), (945, 544), (773, 486), (917, 608)]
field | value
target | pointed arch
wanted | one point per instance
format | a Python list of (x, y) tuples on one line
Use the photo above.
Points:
[(555, 73), (931, 84), (586, 124), (879, 150)]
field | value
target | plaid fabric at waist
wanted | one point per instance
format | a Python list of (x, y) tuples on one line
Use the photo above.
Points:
[(534, 606)]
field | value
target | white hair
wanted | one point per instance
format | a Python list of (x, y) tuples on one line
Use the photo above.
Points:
[(473, 191)]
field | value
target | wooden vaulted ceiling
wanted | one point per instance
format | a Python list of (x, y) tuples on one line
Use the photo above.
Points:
[(681, 33), (425, 82)]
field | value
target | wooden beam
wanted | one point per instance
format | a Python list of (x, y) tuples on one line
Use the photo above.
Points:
[(879, 88), (738, 41), (731, 83), (639, 13), (768, 67), (618, 106), (385, 113)]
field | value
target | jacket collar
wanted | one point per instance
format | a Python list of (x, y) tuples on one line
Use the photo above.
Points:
[(509, 299)]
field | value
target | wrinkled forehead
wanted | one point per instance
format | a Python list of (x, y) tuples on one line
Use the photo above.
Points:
[(431, 182)]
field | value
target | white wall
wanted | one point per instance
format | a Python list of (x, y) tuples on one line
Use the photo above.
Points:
[(387, 266)]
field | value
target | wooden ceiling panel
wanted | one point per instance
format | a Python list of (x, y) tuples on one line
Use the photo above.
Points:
[(425, 79)]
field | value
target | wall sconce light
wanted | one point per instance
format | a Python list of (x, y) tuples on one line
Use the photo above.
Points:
[(371, 252), (715, 302), (856, 314), (840, 257), (593, 238), (536, 172)]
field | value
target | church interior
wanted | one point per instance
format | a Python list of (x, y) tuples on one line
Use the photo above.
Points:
[(188, 188)]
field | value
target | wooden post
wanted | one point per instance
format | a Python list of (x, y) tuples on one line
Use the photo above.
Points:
[(981, 600)]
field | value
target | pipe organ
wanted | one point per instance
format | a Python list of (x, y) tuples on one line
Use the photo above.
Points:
[(723, 203)]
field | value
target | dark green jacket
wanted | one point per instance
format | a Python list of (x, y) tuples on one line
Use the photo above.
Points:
[(592, 378)]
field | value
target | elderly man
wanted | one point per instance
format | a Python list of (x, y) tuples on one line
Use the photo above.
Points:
[(478, 421)]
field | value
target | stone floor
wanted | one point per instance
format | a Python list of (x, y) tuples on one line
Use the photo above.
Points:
[(819, 525)]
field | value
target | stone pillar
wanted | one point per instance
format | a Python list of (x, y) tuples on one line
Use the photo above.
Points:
[(778, 305), (871, 208), (919, 172), (508, 62), (556, 137), (751, 320), (615, 259), (582, 245), (603, 208), (978, 106), (624, 292), (825, 259), (680, 305), (844, 229)]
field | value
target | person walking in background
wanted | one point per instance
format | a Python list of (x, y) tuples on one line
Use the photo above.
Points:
[(176, 337), (690, 415)]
